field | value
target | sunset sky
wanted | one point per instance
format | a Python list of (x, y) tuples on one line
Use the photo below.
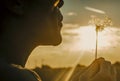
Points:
[(78, 45)]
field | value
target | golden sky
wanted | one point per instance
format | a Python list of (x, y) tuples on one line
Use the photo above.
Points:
[(78, 45)]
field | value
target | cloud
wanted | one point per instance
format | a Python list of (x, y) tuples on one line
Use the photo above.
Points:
[(94, 10), (71, 14), (69, 29), (71, 26)]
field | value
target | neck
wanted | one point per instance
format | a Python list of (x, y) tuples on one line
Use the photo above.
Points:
[(15, 53), (15, 44)]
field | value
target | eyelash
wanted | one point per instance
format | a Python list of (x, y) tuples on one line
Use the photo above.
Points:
[(60, 5)]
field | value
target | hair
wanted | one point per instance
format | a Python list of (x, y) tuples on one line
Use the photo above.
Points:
[(4, 4)]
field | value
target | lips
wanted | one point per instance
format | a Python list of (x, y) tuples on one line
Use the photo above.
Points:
[(60, 19), (60, 24)]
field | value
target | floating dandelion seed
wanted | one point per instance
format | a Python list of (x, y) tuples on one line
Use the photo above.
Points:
[(99, 24)]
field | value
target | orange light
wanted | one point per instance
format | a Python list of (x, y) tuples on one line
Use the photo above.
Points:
[(56, 3)]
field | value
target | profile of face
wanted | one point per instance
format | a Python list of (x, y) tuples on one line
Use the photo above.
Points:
[(43, 21), (25, 24), (33, 22)]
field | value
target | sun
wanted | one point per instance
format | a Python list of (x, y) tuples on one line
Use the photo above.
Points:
[(87, 38)]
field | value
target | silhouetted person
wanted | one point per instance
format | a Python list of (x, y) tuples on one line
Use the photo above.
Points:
[(25, 24)]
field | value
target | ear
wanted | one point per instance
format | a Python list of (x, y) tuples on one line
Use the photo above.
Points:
[(16, 6)]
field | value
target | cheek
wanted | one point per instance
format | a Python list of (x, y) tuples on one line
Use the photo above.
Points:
[(50, 35), (47, 32)]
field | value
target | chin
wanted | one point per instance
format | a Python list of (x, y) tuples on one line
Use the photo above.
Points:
[(52, 42), (56, 42)]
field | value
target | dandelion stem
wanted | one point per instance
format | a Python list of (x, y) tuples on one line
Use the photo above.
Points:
[(96, 50), (100, 24)]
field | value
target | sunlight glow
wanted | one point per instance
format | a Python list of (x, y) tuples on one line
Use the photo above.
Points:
[(88, 37), (56, 3)]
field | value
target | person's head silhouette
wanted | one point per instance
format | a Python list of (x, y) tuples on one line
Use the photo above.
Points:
[(25, 24)]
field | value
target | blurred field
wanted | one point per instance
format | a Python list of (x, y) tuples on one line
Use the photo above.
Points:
[(59, 74)]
